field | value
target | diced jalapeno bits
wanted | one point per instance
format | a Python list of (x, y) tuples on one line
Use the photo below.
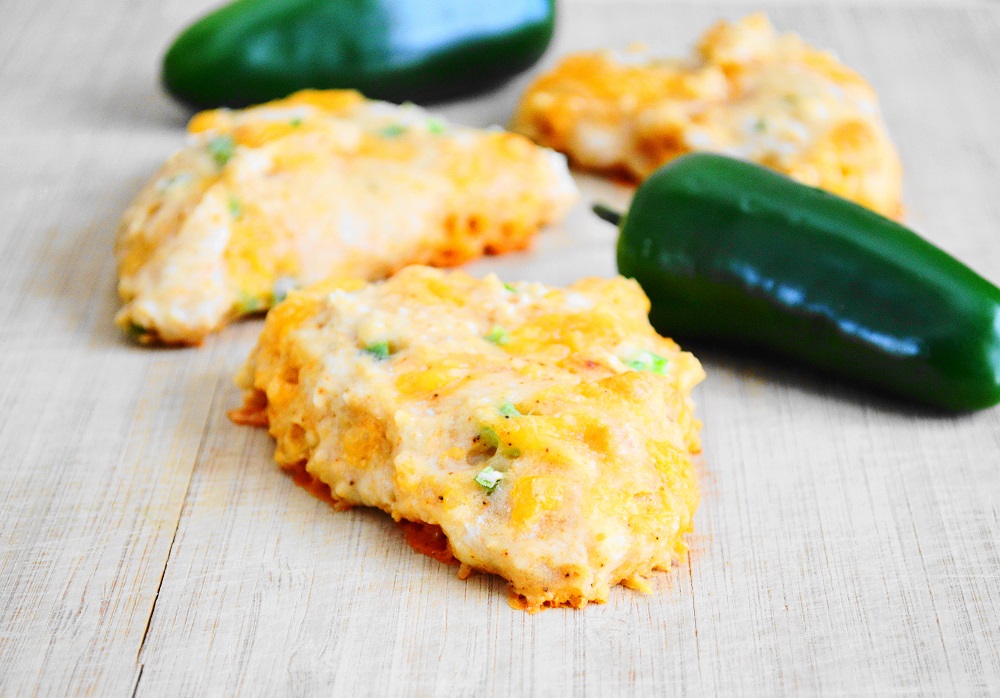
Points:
[(507, 409), (282, 287), (488, 478), (221, 149), (247, 303), (136, 331), (647, 361), (498, 336), (436, 126), (380, 350), (295, 123), (235, 207), (488, 437), (512, 289), (392, 131)]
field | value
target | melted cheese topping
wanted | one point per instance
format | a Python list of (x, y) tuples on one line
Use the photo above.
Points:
[(324, 182), (748, 92), (547, 432)]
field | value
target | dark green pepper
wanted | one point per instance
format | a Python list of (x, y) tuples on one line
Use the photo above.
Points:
[(251, 51), (733, 251)]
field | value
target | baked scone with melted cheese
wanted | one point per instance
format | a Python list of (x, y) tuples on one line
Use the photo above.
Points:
[(547, 432), (747, 92), (322, 183)]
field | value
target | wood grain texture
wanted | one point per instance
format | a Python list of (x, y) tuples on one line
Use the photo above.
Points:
[(846, 544)]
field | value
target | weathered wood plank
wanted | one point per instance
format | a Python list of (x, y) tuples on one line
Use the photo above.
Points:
[(98, 439)]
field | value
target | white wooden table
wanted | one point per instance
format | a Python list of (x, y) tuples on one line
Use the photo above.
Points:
[(846, 544)]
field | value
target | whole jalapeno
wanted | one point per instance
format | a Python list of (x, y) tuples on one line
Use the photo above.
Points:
[(253, 51), (730, 250)]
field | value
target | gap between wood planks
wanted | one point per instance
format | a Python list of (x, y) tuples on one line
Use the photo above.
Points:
[(177, 524)]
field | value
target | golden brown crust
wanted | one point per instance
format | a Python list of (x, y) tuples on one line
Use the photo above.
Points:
[(253, 411), (428, 539)]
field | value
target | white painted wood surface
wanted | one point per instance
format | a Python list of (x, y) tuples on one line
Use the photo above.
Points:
[(846, 544)]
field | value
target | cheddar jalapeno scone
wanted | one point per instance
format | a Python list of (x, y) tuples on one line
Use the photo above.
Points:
[(547, 433), (748, 92), (284, 194)]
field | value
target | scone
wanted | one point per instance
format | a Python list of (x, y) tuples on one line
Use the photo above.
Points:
[(547, 432), (748, 92), (281, 195)]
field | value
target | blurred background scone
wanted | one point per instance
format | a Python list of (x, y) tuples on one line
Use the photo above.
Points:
[(747, 92)]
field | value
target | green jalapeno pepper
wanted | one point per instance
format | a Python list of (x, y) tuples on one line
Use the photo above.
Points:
[(732, 251), (251, 51)]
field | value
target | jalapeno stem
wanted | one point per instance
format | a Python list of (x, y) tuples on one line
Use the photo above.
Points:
[(606, 213)]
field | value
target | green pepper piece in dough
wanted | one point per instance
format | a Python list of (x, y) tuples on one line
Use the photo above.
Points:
[(221, 149), (733, 251), (498, 335), (380, 350)]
